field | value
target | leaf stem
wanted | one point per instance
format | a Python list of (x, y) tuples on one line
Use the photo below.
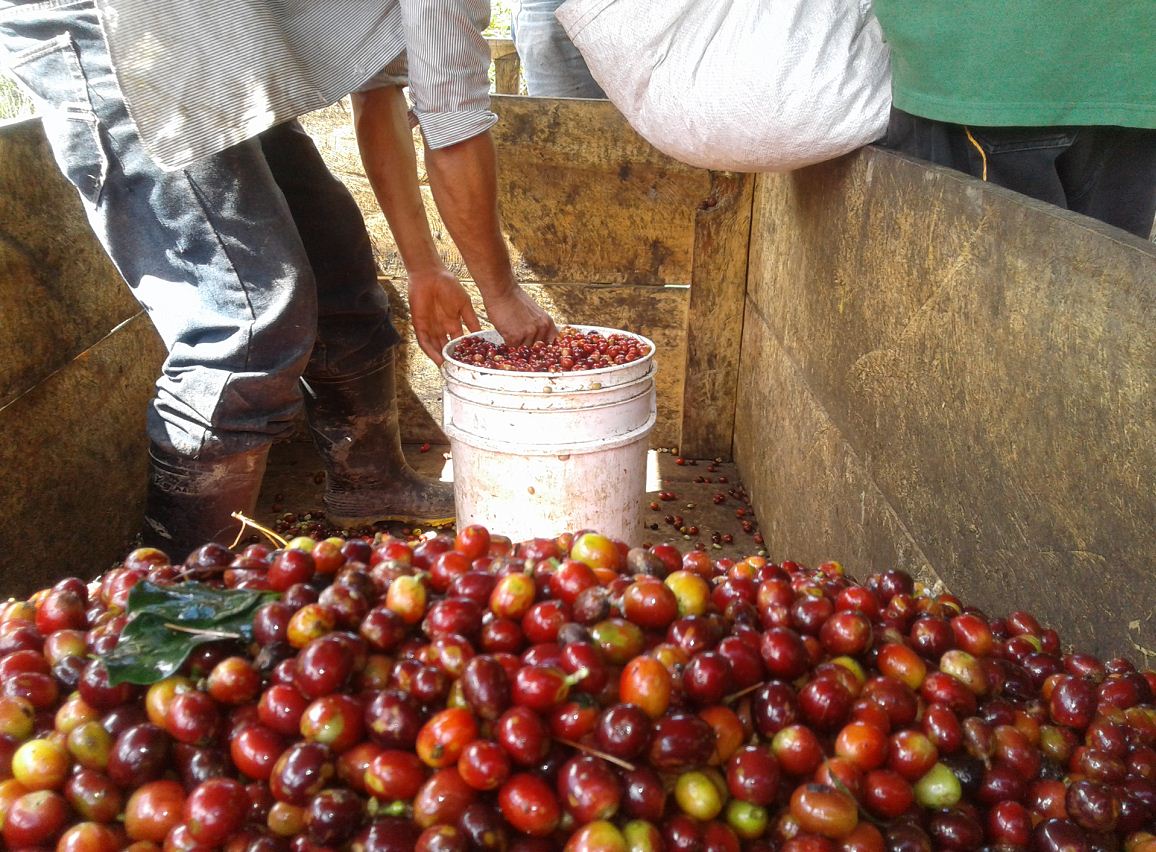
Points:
[(202, 631), (735, 696), (249, 522), (629, 767)]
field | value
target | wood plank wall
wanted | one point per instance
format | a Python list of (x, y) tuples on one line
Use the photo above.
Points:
[(951, 378)]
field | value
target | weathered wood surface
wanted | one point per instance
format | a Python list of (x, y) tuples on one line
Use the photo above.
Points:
[(584, 198), (79, 361), (714, 331), (59, 294), (75, 462), (507, 66), (948, 377)]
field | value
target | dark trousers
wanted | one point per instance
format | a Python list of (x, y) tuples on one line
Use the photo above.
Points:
[(1108, 173)]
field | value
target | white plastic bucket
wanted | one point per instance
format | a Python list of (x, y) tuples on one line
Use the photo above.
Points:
[(538, 454)]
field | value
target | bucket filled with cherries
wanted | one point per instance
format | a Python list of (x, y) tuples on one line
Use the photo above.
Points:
[(465, 692), (551, 436)]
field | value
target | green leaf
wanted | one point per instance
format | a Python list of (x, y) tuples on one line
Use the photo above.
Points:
[(157, 640)]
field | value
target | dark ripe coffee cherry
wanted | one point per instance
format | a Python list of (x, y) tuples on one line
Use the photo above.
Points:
[(752, 775), (1072, 703), (484, 828), (1059, 835), (784, 653), (197, 765), (623, 731), (529, 805), (955, 829), (1093, 806), (680, 741), (215, 809), (96, 691), (459, 615), (442, 838), (589, 789), (907, 837), (742, 655), (486, 687), (706, 679), (825, 703), (302, 771), (324, 666), (774, 706), (333, 816), (502, 635), (524, 735), (393, 719), (139, 755)]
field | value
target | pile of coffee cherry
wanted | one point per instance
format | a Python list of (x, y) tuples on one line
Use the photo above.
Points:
[(463, 692), (572, 350)]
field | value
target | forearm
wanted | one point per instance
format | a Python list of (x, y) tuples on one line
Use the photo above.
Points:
[(464, 182), (385, 140)]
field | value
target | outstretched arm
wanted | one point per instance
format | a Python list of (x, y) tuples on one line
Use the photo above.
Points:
[(439, 306), (464, 183)]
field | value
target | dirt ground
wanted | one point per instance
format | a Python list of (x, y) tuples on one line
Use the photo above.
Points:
[(706, 496)]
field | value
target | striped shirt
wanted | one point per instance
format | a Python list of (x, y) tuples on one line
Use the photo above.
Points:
[(199, 77)]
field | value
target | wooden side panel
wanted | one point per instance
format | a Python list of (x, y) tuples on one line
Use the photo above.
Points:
[(59, 293), (584, 198), (714, 331), (507, 66), (947, 376), (77, 372)]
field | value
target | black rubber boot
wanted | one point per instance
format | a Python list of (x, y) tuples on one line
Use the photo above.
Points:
[(354, 422), (190, 502)]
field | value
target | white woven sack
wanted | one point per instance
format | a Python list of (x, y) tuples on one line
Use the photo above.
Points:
[(739, 85)]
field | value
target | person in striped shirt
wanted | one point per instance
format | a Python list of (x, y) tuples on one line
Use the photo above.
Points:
[(252, 260)]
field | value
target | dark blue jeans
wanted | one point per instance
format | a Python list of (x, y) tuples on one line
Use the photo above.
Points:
[(1108, 173), (254, 265)]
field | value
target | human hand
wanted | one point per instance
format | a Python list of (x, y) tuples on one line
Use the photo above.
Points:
[(518, 318), (438, 308)]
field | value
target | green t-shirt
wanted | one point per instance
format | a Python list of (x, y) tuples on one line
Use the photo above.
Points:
[(1032, 63)]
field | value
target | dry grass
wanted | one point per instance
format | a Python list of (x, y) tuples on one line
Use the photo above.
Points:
[(13, 103), (499, 18)]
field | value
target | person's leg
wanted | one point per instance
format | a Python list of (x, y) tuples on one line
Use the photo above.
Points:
[(211, 254), (354, 330), (350, 383), (551, 63), (1110, 174)]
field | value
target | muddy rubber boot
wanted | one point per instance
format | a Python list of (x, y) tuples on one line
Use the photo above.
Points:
[(190, 502), (354, 422)]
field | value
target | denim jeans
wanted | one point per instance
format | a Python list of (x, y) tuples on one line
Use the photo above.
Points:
[(254, 265), (1108, 173), (551, 63)]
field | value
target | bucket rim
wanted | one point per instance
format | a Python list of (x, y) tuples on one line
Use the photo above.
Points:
[(494, 337), (576, 392), (490, 445)]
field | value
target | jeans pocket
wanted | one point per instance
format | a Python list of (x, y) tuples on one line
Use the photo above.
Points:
[(52, 75), (1011, 140)]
